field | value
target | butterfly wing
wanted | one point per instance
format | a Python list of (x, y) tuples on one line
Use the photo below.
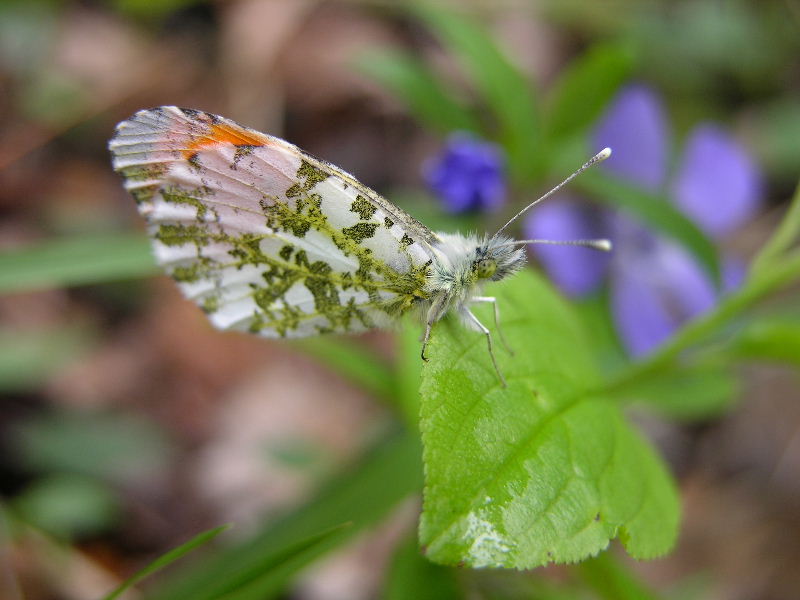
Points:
[(264, 237)]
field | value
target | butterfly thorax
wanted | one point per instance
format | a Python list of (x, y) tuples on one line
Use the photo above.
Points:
[(462, 264)]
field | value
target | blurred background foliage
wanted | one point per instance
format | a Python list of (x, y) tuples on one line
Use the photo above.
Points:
[(129, 427)]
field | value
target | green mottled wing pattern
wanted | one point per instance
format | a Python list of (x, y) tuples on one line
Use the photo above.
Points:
[(264, 237)]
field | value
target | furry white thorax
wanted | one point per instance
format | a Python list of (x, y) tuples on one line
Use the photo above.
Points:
[(454, 278)]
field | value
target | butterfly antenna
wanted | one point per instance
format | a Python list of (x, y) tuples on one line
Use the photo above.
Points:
[(597, 158), (601, 244)]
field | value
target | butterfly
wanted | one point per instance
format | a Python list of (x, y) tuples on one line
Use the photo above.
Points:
[(268, 239)]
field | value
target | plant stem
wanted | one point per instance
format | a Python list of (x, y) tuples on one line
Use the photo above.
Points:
[(612, 579), (784, 236), (758, 286)]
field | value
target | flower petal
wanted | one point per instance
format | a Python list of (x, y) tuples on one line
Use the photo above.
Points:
[(635, 128), (575, 270), (469, 174), (641, 319), (687, 286), (655, 294), (718, 184)]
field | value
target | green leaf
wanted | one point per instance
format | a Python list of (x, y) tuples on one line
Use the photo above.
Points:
[(28, 358), (500, 83), (78, 260), (251, 582), (540, 471), (772, 338), (389, 474), (354, 362), (414, 83), (408, 368), (656, 212), (113, 447), (493, 584), (786, 235), (412, 577), (694, 586), (609, 578), (586, 86), (688, 394), (68, 506), (149, 11), (167, 559), (595, 313), (775, 133)]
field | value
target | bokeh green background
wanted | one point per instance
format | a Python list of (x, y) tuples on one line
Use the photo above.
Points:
[(129, 426)]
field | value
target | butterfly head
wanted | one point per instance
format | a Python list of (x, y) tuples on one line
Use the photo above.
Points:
[(497, 258)]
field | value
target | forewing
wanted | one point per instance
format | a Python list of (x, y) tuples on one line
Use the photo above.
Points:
[(264, 237)]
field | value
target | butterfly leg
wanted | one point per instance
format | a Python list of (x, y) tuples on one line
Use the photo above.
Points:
[(425, 338), (482, 328), (435, 312), (493, 301)]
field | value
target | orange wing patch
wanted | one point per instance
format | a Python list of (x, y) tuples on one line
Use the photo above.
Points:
[(222, 133)]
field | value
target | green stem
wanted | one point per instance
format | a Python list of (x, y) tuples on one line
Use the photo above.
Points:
[(758, 286), (783, 237), (611, 579)]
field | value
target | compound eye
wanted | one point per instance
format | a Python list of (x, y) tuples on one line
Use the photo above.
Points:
[(485, 268)]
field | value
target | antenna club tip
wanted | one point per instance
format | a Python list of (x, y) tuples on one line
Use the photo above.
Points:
[(604, 154), (604, 245)]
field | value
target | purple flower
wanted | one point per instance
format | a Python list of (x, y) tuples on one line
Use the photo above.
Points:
[(636, 125), (469, 174), (717, 184), (655, 285), (566, 219)]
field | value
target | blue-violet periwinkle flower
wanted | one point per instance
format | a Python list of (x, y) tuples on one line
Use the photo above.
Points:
[(717, 184), (469, 174), (655, 284), (636, 125)]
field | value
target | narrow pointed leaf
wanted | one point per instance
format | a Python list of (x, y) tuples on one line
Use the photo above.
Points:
[(389, 473), (408, 369), (167, 559), (353, 362), (78, 260), (656, 212), (786, 236), (414, 83), (772, 338), (269, 574), (610, 580), (28, 358), (586, 86), (500, 83), (687, 394), (412, 577)]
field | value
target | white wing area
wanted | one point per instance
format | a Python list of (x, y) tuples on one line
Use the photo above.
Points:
[(264, 237)]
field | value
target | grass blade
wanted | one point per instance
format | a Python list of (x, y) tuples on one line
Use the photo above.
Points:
[(611, 580), (167, 559), (413, 82), (262, 577), (390, 473), (413, 577), (354, 362), (29, 358), (500, 83), (588, 84), (784, 237), (78, 260), (657, 213)]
